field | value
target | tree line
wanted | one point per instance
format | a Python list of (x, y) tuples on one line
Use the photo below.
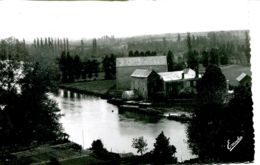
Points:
[(141, 53), (74, 69), (162, 153)]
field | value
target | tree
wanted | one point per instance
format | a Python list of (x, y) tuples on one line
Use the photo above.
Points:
[(109, 65), (240, 123), (90, 69), (95, 65), (205, 58), (192, 56), (214, 56), (32, 117), (136, 53), (163, 152), (77, 66), (140, 144), (130, 54), (193, 61), (97, 146), (214, 125), (84, 70), (63, 67), (179, 37), (189, 43), (70, 67), (212, 88), (169, 61)]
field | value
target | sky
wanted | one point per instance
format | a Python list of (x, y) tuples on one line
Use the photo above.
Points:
[(90, 19)]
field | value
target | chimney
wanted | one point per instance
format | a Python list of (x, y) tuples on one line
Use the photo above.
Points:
[(182, 75)]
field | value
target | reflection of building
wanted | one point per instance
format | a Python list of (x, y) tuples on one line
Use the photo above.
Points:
[(177, 82), (127, 65), (145, 83)]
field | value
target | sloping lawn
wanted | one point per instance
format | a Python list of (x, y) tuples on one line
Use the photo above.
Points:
[(98, 86)]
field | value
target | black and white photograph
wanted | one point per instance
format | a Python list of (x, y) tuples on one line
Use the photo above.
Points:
[(128, 82)]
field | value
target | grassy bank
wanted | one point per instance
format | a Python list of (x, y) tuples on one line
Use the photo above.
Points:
[(65, 153), (97, 87)]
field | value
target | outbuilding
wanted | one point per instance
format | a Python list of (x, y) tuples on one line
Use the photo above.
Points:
[(145, 83), (177, 82)]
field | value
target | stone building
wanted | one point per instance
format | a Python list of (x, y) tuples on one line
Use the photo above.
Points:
[(125, 66), (177, 82), (145, 83)]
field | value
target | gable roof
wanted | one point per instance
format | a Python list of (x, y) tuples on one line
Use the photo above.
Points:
[(242, 76), (177, 75), (141, 61), (142, 73)]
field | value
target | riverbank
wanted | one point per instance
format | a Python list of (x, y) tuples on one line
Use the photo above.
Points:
[(63, 154), (174, 109), (97, 87)]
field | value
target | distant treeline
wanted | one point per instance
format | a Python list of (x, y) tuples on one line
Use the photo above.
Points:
[(74, 69), (234, 45)]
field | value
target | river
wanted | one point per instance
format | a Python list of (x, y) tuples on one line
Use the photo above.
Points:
[(87, 118)]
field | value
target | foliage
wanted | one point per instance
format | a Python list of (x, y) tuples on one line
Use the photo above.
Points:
[(206, 136), (240, 123), (30, 116), (140, 144), (212, 87), (14, 48), (192, 60), (169, 61), (97, 146), (163, 152), (215, 123), (141, 53), (109, 65), (72, 68)]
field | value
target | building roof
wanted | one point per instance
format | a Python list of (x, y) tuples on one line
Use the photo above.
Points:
[(232, 72), (241, 77), (142, 73), (177, 75), (141, 61)]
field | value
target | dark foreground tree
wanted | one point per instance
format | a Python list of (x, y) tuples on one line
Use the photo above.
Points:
[(240, 124), (97, 146), (163, 152), (212, 88), (32, 117), (220, 131)]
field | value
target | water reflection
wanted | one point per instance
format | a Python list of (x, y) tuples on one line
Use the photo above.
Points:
[(88, 118)]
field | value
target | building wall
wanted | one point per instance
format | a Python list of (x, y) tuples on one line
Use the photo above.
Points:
[(172, 89), (123, 74), (139, 85)]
